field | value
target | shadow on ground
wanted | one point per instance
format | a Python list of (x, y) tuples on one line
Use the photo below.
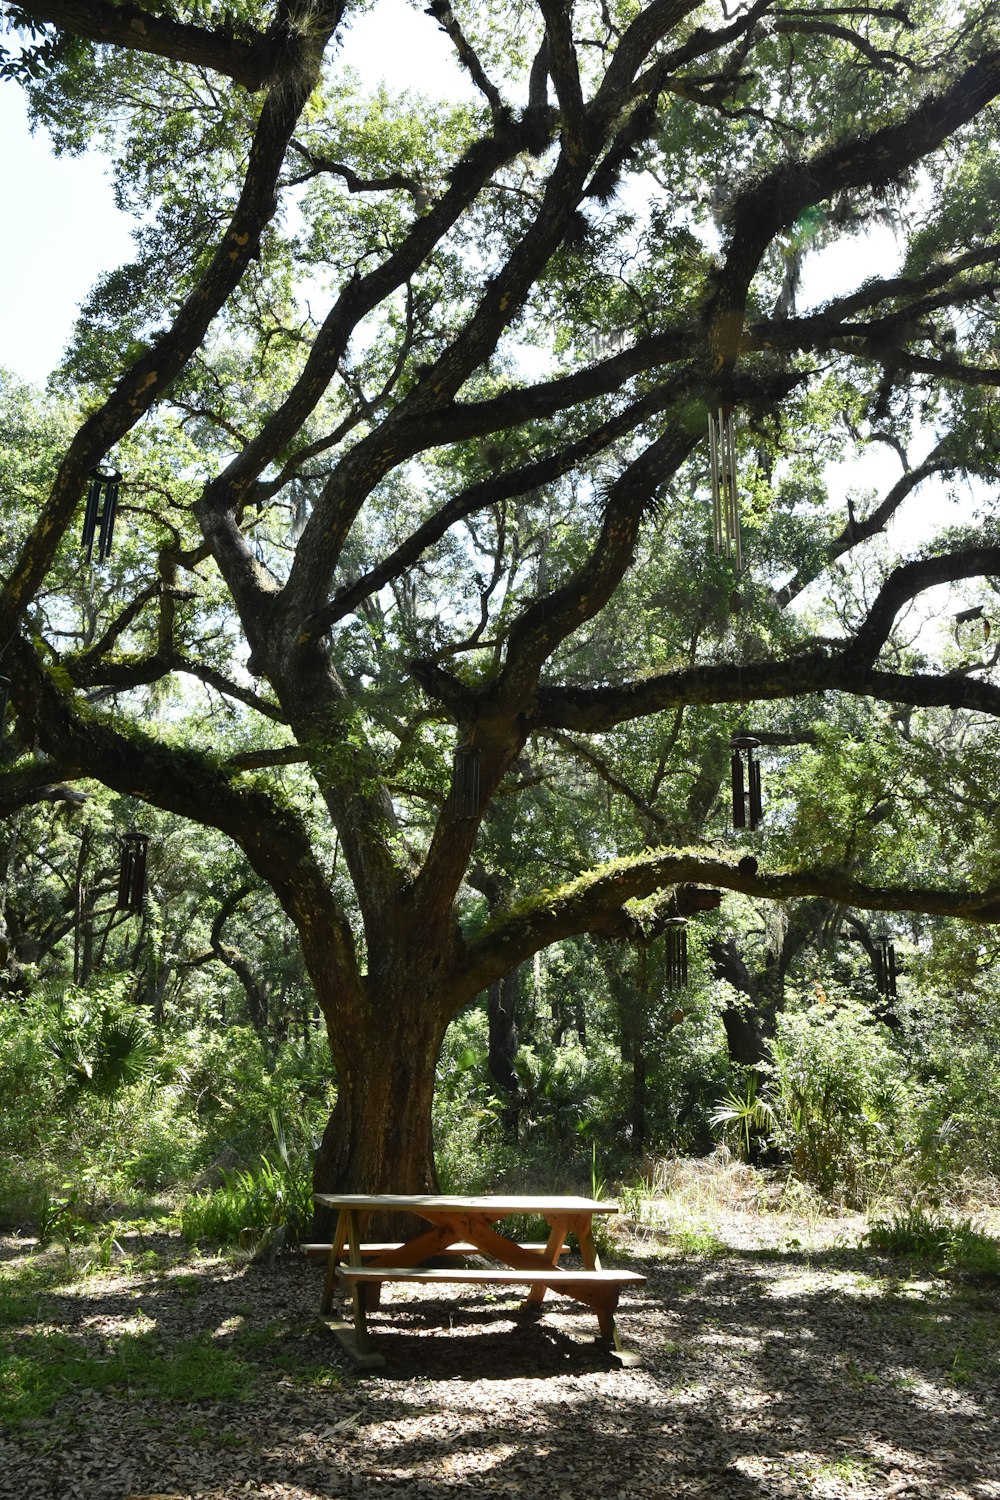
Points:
[(764, 1375)]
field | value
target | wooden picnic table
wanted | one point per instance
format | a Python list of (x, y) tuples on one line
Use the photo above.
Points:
[(456, 1227)]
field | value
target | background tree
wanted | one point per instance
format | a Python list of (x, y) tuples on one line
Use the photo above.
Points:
[(468, 501)]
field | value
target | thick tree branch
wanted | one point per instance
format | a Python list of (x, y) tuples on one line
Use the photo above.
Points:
[(565, 73), (184, 781), (596, 897), (259, 760), (23, 786), (595, 709), (444, 15), (251, 58), (908, 580), (154, 372), (873, 160)]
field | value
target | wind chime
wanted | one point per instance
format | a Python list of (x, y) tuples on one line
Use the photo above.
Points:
[(99, 516), (4, 700), (746, 784), (885, 966), (966, 616), (463, 801), (132, 872), (725, 507), (676, 953)]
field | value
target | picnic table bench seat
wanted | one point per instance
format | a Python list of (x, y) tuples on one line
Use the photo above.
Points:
[(501, 1275)]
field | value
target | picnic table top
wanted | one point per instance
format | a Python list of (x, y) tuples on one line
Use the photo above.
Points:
[(498, 1204)]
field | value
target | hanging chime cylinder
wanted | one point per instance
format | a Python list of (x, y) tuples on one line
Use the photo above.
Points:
[(676, 953), (725, 505), (463, 800), (747, 806), (99, 515), (885, 966), (132, 872)]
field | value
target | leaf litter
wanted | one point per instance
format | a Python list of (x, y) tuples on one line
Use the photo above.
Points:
[(778, 1360)]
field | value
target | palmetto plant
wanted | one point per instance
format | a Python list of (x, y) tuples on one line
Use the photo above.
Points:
[(106, 1053), (741, 1117)]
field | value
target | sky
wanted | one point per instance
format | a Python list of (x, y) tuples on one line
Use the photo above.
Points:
[(61, 227), (61, 230)]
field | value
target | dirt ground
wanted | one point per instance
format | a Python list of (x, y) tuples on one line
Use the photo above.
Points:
[(778, 1359)]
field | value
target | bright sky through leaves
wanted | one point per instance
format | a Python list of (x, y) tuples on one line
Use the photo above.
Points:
[(62, 228)]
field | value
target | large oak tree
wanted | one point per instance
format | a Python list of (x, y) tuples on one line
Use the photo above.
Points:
[(410, 397)]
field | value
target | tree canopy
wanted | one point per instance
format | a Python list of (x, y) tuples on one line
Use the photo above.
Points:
[(410, 397)]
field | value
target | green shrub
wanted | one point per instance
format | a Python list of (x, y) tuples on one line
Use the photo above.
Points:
[(837, 1096), (742, 1116), (267, 1206), (956, 1245)]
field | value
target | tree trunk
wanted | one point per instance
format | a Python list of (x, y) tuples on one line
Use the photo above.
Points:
[(379, 1138), (502, 1008), (749, 1024)]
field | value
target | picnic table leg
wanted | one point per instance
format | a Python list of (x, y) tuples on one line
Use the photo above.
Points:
[(588, 1250), (336, 1251), (532, 1304), (609, 1301), (365, 1298), (352, 1336), (606, 1319)]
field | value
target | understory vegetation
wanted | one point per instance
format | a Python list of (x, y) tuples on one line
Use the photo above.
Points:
[(113, 1115)]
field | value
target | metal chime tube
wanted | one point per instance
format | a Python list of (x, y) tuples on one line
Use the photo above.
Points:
[(747, 801), (725, 505), (99, 516), (676, 956), (132, 872), (713, 453), (464, 798), (734, 547)]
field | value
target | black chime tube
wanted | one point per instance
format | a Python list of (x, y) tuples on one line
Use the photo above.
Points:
[(753, 766), (132, 872), (747, 806), (99, 515), (90, 513), (676, 954), (885, 966), (739, 792), (464, 799), (108, 516)]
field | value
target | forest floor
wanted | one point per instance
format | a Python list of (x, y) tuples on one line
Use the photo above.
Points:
[(779, 1359)]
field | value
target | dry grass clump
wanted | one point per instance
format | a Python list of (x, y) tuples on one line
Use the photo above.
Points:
[(719, 1202)]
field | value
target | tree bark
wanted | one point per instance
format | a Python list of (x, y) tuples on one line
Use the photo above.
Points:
[(502, 1006), (379, 1138)]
